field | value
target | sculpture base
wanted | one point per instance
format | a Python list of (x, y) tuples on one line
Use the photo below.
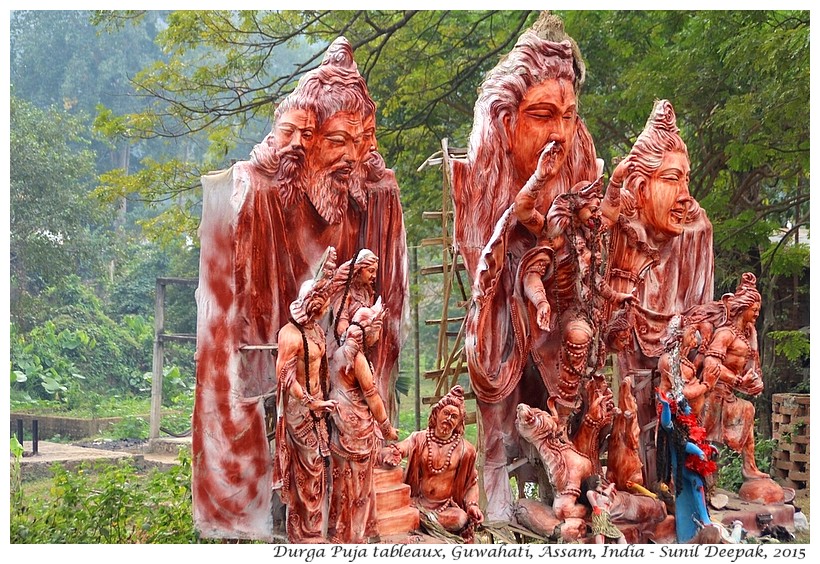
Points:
[(762, 490), (540, 518), (395, 513)]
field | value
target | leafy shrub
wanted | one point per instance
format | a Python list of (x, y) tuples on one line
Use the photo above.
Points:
[(130, 428), (110, 504), (729, 465), (80, 348)]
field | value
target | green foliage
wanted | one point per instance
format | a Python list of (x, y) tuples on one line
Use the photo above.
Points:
[(794, 345), (53, 223), (16, 488), (729, 468), (130, 428), (80, 346), (110, 504)]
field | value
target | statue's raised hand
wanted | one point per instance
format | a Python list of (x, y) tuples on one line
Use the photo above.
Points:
[(545, 170)]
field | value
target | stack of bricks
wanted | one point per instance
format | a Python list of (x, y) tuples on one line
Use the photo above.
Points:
[(790, 427)]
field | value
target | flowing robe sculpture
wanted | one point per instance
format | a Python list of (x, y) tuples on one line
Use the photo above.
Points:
[(360, 424), (525, 102), (660, 250), (315, 181)]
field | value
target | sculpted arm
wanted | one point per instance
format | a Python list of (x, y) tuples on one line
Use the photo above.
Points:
[(611, 206), (525, 200), (535, 292), (714, 369), (374, 401), (471, 499)]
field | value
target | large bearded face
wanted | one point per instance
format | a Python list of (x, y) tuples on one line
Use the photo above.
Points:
[(332, 162), (293, 135), (547, 113)]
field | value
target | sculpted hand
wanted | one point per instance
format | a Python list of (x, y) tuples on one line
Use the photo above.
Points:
[(475, 514), (392, 434), (545, 169), (621, 171), (323, 406), (391, 456), (751, 383), (543, 316)]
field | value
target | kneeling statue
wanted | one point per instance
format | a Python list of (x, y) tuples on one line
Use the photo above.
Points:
[(441, 467)]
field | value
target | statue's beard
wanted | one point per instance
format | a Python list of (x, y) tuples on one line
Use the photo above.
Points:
[(328, 194), (291, 179), (286, 166)]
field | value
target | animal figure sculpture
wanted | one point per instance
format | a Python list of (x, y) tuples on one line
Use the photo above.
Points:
[(623, 461), (565, 465)]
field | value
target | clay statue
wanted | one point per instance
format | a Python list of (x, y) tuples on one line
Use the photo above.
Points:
[(623, 465), (680, 375), (302, 454), (601, 500), (355, 280), (315, 181), (566, 467), (360, 424), (731, 364), (527, 101), (660, 250), (441, 467), (560, 279), (686, 459), (597, 417)]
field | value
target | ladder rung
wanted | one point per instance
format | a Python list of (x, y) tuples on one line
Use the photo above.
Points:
[(435, 214), (449, 320), (439, 269), (430, 400), (436, 374), (432, 241)]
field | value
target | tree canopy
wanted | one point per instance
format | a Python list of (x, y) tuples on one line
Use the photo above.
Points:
[(179, 93)]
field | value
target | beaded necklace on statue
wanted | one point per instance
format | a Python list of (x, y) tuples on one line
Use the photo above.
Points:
[(743, 337), (432, 438)]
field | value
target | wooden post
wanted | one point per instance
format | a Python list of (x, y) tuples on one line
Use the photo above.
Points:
[(159, 351), (416, 345)]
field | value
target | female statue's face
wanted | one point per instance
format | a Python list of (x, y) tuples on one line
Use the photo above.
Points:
[(665, 199), (368, 274), (547, 113)]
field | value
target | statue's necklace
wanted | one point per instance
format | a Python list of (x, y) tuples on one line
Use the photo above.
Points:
[(432, 438), (314, 333), (743, 337)]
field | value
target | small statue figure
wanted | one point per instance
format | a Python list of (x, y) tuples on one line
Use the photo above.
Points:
[(302, 455), (355, 279), (678, 372), (731, 364), (566, 260), (360, 424), (441, 467), (600, 498), (685, 458), (624, 466)]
